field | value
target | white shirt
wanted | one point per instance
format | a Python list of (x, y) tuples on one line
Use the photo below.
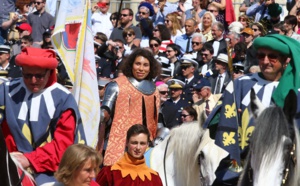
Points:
[(204, 69), (51, 7), (189, 80), (101, 23), (178, 33), (216, 46), (144, 42), (222, 81), (4, 67)]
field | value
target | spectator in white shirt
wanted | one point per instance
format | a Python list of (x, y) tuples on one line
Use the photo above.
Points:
[(101, 18)]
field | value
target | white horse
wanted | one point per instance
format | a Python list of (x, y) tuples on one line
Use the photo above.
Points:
[(274, 155), (187, 157)]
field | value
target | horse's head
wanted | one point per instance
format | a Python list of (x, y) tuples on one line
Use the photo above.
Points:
[(273, 146)]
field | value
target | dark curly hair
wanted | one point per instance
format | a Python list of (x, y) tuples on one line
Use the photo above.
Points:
[(155, 67)]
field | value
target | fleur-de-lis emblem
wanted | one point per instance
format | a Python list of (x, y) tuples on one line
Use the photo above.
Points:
[(80, 140), (244, 131), (230, 111), (228, 139)]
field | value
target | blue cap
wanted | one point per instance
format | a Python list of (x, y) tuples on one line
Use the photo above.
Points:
[(149, 6), (203, 82)]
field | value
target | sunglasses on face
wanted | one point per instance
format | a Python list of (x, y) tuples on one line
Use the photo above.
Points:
[(174, 89), (129, 35), (143, 13), (155, 30), (114, 18), (237, 72), (184, 115), (204, 55), (37, 76), (124, 15), (167, 21), (38, 3), (168, 51), (255, 29), (195, 43), (271, 57), (246, 35), (212, 11), (163, 92), (153, 45), (185, 67)]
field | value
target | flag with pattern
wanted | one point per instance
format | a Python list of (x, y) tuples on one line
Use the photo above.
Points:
[(73, 41)]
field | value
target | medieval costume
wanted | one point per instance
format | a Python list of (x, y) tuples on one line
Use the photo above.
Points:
[(234, 128), (130, 102), (43, 124), (128, 171)]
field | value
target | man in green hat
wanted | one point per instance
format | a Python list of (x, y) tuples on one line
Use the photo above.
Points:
[(279, 73)]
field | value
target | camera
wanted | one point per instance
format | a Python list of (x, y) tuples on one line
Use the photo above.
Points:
[(20, 16), (117, 47)]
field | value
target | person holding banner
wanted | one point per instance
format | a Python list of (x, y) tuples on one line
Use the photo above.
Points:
[(130, 99), (38, 116), (280, 72)]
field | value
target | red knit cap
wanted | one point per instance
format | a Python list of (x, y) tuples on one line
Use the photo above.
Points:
[(36, 57)]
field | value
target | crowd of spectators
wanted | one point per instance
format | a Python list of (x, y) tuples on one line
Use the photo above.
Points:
[(198, 46)]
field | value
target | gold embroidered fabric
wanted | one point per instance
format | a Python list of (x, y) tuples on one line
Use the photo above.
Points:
[(129, 111)]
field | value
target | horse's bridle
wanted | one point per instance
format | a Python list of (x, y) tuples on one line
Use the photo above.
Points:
[(165, 154), (291, 161), (21, 179)]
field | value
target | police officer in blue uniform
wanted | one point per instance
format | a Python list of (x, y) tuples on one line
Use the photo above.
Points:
[(173, 107), (189, 66)]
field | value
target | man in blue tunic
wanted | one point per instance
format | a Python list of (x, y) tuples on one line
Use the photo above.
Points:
[(38, 116), (279, 74)]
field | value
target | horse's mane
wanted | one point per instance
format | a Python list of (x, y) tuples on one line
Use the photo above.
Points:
[(187, 135), (269, 126), (267, 143)]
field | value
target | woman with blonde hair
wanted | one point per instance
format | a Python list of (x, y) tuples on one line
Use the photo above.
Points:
[(78, 167), (172, 22), (205, 25)]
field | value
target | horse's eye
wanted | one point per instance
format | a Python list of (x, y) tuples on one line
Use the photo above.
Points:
[(201, 155)]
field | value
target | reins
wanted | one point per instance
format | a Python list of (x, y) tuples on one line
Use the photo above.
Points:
[(165, 154), (21, 179), (292, 159)]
